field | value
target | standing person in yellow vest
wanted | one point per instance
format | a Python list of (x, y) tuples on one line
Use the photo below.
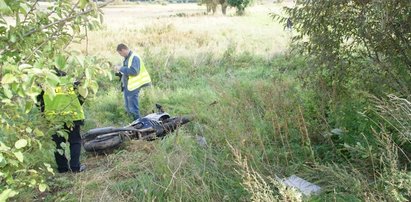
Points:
[(65, 107), (134, 77)]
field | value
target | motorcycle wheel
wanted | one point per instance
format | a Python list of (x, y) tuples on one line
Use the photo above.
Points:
[(102, 144)]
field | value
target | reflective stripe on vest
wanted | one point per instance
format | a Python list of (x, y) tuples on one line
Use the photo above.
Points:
[(64, 106), (140, 79)]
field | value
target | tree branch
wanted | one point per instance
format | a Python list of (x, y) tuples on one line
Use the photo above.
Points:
[(30, 11), (65, 19), (54, 23)]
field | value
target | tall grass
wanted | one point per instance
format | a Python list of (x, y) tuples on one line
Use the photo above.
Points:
[(260, 122), (257, 120)]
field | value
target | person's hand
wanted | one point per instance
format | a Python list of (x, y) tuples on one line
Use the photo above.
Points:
[(119, 74)]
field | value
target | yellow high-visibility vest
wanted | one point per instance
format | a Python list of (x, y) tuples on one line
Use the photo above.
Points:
[(64, 106), (140, 79)]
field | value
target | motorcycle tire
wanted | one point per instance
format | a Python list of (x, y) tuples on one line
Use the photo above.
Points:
[(94, 133), (103, 144)]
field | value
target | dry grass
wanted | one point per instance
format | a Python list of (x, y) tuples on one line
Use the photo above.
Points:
[(175, 168), (104, 171), (186, 36)]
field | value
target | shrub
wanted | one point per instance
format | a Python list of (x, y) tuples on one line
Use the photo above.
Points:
[(241, 5)]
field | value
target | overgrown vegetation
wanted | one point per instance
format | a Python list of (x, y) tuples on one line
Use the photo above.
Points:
[(240, 5), (33, 43), (317, 112)]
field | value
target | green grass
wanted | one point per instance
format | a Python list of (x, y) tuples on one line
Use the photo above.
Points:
[(233, 75), (238, 110)]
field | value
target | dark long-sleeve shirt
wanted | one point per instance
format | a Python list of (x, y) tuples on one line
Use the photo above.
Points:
[(133, 70)]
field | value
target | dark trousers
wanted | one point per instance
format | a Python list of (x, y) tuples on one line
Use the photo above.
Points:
[(74, 139)]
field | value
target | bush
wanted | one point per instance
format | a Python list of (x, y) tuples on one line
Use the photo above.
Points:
[(355, 44), (240, 5), (31, 47)]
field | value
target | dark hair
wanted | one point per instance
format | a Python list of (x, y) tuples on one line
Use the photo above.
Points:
[(121, 47)]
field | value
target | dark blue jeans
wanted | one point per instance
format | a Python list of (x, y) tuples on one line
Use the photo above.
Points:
[(131, 103)]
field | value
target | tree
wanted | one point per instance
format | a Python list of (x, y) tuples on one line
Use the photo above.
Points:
[(354, 49), (356, 44), (240, 5), (33, 42)]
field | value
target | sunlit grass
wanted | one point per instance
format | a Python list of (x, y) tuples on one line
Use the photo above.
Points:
[(231, 74), (185, 36)]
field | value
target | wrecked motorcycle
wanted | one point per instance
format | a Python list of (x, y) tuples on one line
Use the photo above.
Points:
[(150, 127)]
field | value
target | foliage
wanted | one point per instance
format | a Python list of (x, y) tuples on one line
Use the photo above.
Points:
[(355, 44), (33, 42), (355, 49), (240, 5), (260, 120)]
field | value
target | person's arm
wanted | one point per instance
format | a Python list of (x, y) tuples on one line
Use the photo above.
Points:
[(134, 69)]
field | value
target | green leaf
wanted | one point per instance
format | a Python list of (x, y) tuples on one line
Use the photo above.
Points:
[(33, 91), (109, 75), (42, 187), (87, 72), (8, 78), (83, 3), (13, 163), (60, 62), (20, 143), (24, 66), (7, 92), (24, 8), (3, 147), (80, 60), (60, 151), (3, 161), (52, 78), (39, 144), (83, 91), (4, 8), (6, 101), (51, 93), (6, 194), (38, 132), (36, 71), (94, 86), (19, 156), (28, 107), (48, 166), (62, 133), (13, 38)]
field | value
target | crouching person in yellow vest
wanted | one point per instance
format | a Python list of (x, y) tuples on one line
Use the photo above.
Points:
[(134, 77), (65, 107)]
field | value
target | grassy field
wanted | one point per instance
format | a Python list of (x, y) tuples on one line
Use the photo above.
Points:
[(220, 69), (235, 76), (181, 29)]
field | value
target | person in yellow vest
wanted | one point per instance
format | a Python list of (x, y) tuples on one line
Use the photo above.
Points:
[(134, 76), (65, 108)]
